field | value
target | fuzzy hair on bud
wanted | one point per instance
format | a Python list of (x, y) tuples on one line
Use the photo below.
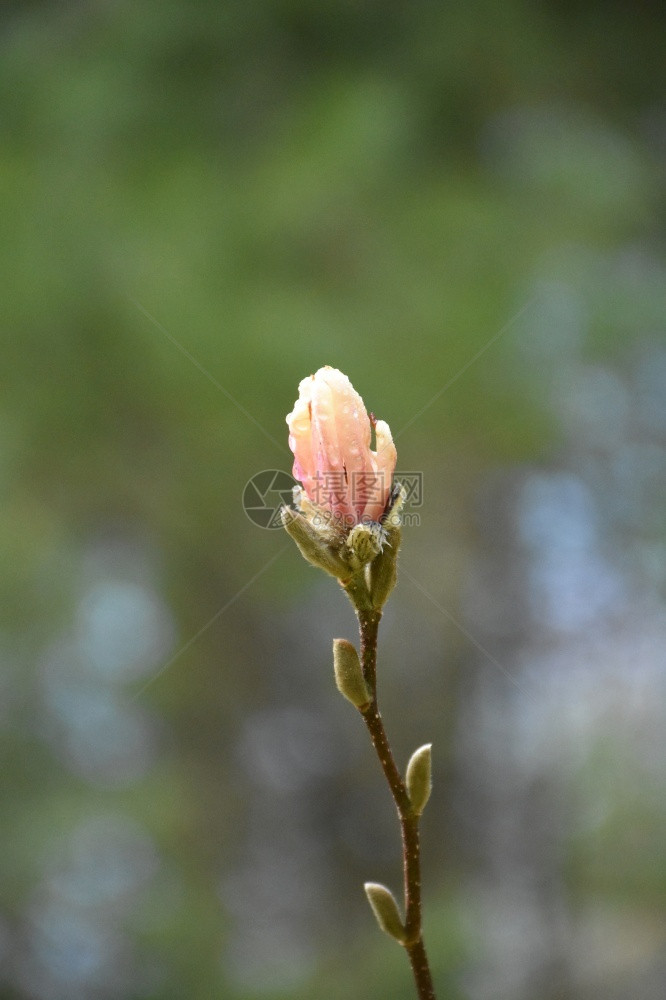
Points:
[(349, 674), (314, 545), (418, 778), (385, 910), (364, 542)]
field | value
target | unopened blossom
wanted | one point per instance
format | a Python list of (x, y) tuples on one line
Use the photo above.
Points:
[(329, 434)]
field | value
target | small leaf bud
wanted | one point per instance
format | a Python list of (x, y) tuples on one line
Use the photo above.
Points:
[(364, 542), (385, 910), (349, 673), (382, 572), (419, 778), (314, 544)]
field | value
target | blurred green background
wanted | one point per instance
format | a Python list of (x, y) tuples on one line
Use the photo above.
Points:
[(462, 207)]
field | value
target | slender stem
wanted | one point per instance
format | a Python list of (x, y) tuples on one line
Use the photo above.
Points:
[(409, 823)]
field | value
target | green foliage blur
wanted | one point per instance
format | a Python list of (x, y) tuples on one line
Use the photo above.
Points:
[(202, 203)]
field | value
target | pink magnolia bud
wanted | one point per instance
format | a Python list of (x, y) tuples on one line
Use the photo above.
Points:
[(329, 434)]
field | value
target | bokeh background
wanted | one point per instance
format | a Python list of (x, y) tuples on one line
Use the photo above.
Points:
[(461, 206)]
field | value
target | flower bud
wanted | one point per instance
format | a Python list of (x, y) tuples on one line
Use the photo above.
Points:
[(349, 673), (385, 910), (418, 778), (330, 433)]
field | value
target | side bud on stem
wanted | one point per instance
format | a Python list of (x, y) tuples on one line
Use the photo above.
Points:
[(349, 674), (418, 778), (385, 910)]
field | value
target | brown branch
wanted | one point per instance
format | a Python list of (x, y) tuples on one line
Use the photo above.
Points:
[(409, 823)]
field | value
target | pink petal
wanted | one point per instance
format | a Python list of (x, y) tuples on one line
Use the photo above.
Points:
[(384, 459)]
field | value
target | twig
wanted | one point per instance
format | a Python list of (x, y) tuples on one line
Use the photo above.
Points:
[(409, 823)]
